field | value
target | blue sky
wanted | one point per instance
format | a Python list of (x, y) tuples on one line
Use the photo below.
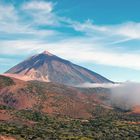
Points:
[(102, 35)]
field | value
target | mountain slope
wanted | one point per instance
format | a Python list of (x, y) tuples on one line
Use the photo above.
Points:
[(51, 98), (50, 68)]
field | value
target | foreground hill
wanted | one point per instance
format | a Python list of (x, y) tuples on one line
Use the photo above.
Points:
[(54, 98), (51, 98), (50, 68)]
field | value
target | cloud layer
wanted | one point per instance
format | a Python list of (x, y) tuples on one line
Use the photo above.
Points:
[(98, 85), (126, 96), (123, 96)]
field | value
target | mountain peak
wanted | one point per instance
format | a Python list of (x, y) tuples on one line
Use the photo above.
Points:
[(50, 68), (47, 53)]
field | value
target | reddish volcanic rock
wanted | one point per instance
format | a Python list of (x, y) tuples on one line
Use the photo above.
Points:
[(4, 115), (7, 138), (51, 98), (136, 110)]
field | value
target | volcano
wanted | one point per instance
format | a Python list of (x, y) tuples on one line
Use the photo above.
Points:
[(47, 67)]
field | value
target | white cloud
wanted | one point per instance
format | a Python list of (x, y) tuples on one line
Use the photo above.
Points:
[(87, 52), (7, 12), (8, 19), (126, 96), (91, 53), (42, 6), (129, 30), (98, 85), (88, 27), (13, 24), (41, 12)]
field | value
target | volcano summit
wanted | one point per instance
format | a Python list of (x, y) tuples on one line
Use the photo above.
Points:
[(51, 68)]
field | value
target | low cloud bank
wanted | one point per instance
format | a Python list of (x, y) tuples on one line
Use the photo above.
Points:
[(123, 96), (126, 95), (98, 85)]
